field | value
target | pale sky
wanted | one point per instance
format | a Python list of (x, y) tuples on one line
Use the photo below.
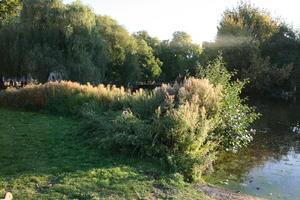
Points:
[(199, 18)]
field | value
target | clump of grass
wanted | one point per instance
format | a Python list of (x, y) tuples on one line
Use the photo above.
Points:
[(65, 94)]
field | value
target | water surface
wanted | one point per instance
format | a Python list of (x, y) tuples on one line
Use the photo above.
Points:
[(270, 166)]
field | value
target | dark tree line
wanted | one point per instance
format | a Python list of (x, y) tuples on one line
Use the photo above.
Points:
[(38, 37)]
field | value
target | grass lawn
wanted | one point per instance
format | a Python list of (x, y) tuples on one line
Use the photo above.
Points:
[(43, 157)]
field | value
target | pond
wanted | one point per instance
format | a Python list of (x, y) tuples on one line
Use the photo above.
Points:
[(270, 166)]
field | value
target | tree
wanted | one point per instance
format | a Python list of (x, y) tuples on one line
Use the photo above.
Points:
[(86, 49), (131, 59), (120, 46), (51, 37), (282, 46), (242, 33), (150, 65), (152, 42), (72, 40), (180, 56), (9, 8), (247, 21)]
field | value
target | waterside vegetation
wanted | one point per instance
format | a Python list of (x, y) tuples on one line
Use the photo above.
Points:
[(184, 124)]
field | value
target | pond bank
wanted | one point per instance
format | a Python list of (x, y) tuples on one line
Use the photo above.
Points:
[(221, 194)]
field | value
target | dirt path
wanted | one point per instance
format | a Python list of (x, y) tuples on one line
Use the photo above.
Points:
[(221, 194)]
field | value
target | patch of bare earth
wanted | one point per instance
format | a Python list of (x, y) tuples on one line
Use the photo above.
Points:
[(221, 194)]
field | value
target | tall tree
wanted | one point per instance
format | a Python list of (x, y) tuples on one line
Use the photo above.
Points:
[(149, 64), (9, 8), (247, 21), (52, 37), (242, 33), (152, 42), (180, 56), (120, 46), (131, 59)]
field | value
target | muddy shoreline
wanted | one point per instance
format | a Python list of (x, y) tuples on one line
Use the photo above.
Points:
[(221, 194)]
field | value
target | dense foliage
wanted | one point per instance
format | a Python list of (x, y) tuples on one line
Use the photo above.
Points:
[(49, 36), (236, 115), (9, 8), (256, 46), (180, 56), (184, 124), (41, 37)]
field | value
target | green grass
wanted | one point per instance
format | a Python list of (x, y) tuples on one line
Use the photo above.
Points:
[(42, 157)]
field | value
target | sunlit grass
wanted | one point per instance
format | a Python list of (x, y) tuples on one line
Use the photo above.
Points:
[(42, 157)]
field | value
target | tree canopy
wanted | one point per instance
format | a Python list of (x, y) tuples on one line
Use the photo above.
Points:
[(38, 37), (180, 56), (246, 37), (9, 8)]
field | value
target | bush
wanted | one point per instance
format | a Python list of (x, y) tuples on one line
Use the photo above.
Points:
[(179, 130), (236, 115)]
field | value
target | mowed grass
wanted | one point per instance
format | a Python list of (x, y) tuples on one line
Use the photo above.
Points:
[(43, 157)]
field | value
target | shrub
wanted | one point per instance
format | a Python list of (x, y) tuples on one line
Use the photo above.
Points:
[(178, 129), (236, 115)]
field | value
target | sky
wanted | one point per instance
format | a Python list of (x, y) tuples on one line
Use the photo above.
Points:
[(199, 18)]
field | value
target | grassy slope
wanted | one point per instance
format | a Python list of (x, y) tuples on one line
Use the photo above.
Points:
[(41, 157)]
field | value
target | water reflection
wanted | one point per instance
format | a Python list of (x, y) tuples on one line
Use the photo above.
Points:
[(270, 166)]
